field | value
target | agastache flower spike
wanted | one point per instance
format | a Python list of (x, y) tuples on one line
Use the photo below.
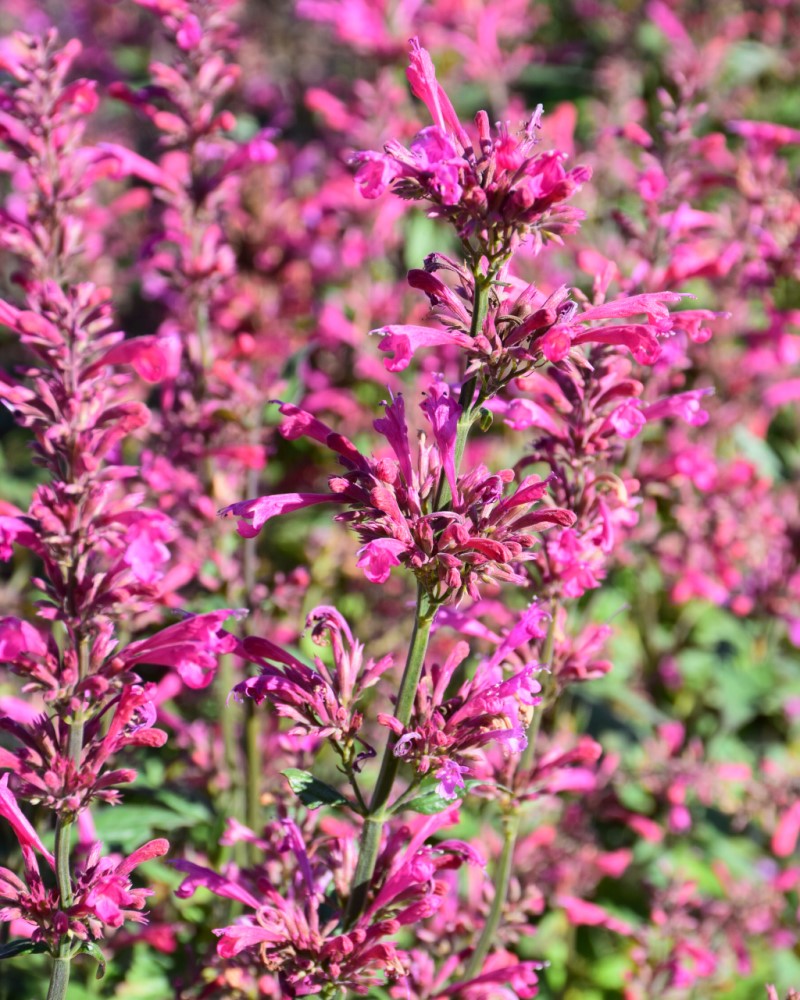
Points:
[(447, 733), (481, 535), (320, 701), (294, 929), (494, 188)]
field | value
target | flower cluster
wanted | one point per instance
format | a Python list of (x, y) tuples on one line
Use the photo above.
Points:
[(294, 934), (446, 733), (100, 552), (397, 506), (320, 701), (493, 189), (571, 482)]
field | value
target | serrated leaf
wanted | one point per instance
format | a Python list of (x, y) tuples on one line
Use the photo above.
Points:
[(22, 946), (312, 792)]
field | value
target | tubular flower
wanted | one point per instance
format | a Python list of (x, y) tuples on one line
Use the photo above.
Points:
[(446, 734), (493, 187), (393, 506), (46, 773), (102, 895), (319, 700), (294, 929), (525, 329)]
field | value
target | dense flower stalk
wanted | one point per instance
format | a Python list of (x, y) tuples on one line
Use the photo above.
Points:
[(542, 525), (101, 552)]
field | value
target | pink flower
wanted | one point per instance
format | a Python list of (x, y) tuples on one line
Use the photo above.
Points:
[(450, 776), (320, 701), (24, 832), (192, 646), (254, 514), (378, 557), (405, 341), (479, 533), (424, 85), (685, 405), (627, 419), (581, 912), (786, 832), (104, 889)]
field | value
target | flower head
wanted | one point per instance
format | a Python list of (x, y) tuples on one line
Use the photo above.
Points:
[(481, 534)]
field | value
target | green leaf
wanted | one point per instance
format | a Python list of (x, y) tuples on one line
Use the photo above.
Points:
[(312, 792), (22, 946), (90, 948), (428, 801), (129, 825)]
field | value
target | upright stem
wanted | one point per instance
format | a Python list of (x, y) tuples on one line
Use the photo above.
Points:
[(252, 719), (59, 975), (511, 824), (405, 698), (59, 979), (501, 881), (526, 758), (374, 821)]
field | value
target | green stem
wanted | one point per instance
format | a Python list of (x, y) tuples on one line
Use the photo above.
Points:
[(59, 975), (63, 832), (252, 720), (480, 308), (231, 724), (501, 882), (373, 823), (511, 824), (252, 730), (351, 777), (59, 979), (526, 758)]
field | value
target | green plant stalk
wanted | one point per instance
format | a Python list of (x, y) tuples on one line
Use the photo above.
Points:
[(59, 974), (502, 878), (526, 758), (230, 722), (511, 824), (252, 720), (59, 979), (375, 819)]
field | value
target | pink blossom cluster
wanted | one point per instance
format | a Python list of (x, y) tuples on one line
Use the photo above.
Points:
[(538, 733)]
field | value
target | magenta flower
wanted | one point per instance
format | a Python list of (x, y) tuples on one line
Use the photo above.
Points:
[(24, 832), (450, 777), (191, 646), (294, 929), (104, 896), (485, 186), (319, 701), (102, 892), (480, 535), (47, 773), (526, 328), (447, 732)]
